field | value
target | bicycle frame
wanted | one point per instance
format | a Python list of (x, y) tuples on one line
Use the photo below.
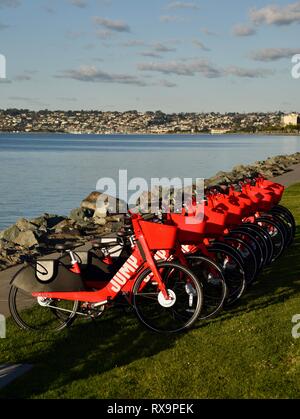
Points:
[(124, 280)]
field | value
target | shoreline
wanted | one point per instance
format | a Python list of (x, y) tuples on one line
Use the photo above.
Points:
[(38, 237), (179, 134)]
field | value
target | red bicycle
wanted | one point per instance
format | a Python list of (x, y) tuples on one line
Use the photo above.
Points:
[(166, 296)]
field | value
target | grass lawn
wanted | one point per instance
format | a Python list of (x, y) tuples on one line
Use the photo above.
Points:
[(247, 352)]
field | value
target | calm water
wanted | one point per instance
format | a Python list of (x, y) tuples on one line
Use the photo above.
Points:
[(53, 173)]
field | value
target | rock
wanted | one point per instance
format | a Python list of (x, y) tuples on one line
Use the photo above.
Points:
[(53, 220), (101, 212), (90, 201), (10, 234), (78, 214), (26, 239), (65, 225), (98, 200), (40, 222), (25, 225), (100, 221)]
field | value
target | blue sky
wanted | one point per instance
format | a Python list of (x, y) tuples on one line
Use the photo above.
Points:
[(176, 56)]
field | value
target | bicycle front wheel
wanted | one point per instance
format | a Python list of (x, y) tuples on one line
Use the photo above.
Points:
[(161, 315), (40, 315)]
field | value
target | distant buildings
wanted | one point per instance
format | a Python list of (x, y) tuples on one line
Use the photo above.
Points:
[(134, 122), (291, 119)]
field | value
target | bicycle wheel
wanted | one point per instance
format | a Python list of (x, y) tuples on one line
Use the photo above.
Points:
[(287, 214), (213, 282), (288, 223), (229, 260), (168, 316), (276, 234), (249, 259), (264, 239), (38, 314), (249, 238)]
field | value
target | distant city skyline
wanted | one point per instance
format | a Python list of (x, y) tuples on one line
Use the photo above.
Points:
[(174, 56)]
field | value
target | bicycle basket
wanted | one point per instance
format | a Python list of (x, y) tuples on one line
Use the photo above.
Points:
[(159, 236)]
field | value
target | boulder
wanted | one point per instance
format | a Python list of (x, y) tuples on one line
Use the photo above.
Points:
[(40, 222), (25, 225), (100, 221), (26, 239), (10, 234), (53, 220), (65, 225), (98, 200), (78, 214)]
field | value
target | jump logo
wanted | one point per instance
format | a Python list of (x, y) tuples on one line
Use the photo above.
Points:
[(2, 67), (124, 274)]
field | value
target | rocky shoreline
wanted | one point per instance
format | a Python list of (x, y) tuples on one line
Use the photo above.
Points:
[(38, 237)]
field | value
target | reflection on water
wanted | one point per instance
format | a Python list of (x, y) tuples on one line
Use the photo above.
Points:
[(53, 172)]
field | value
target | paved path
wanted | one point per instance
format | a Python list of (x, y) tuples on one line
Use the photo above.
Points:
[(5, 278), (289, 178), (9, 373)]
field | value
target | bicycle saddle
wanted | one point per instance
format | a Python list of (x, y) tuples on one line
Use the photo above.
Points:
[(63, 247)]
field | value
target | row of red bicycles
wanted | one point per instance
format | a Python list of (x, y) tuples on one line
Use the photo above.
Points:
[(173, 269)]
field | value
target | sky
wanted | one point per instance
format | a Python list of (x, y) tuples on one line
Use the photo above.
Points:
[(173, 56)]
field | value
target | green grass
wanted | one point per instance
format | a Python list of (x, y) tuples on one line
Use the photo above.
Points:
[(247, 352)]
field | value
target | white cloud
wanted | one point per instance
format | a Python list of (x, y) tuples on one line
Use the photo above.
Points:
[(92, 74), (243, 30), (276, 15), (204, 68), (113, 25), (274, 54)]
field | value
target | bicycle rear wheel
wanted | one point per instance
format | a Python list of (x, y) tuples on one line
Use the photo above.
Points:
[(35, 314), (213, 282), (230, 261), (163, 316)]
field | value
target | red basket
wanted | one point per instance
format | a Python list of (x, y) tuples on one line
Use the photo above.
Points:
[(190, 228), (159, 236)]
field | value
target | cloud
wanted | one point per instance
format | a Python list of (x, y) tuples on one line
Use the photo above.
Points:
[(134, 43), (9, 3), (159, 47), (276, 15), (208, 32), (274, 54), (79, 3), (243, 30), (92, 74), (150, 54), (200, 45), (166, 83), (204, 68), (113, 25), (182, 68), (104, 34), (182, 5), (249, 73)]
